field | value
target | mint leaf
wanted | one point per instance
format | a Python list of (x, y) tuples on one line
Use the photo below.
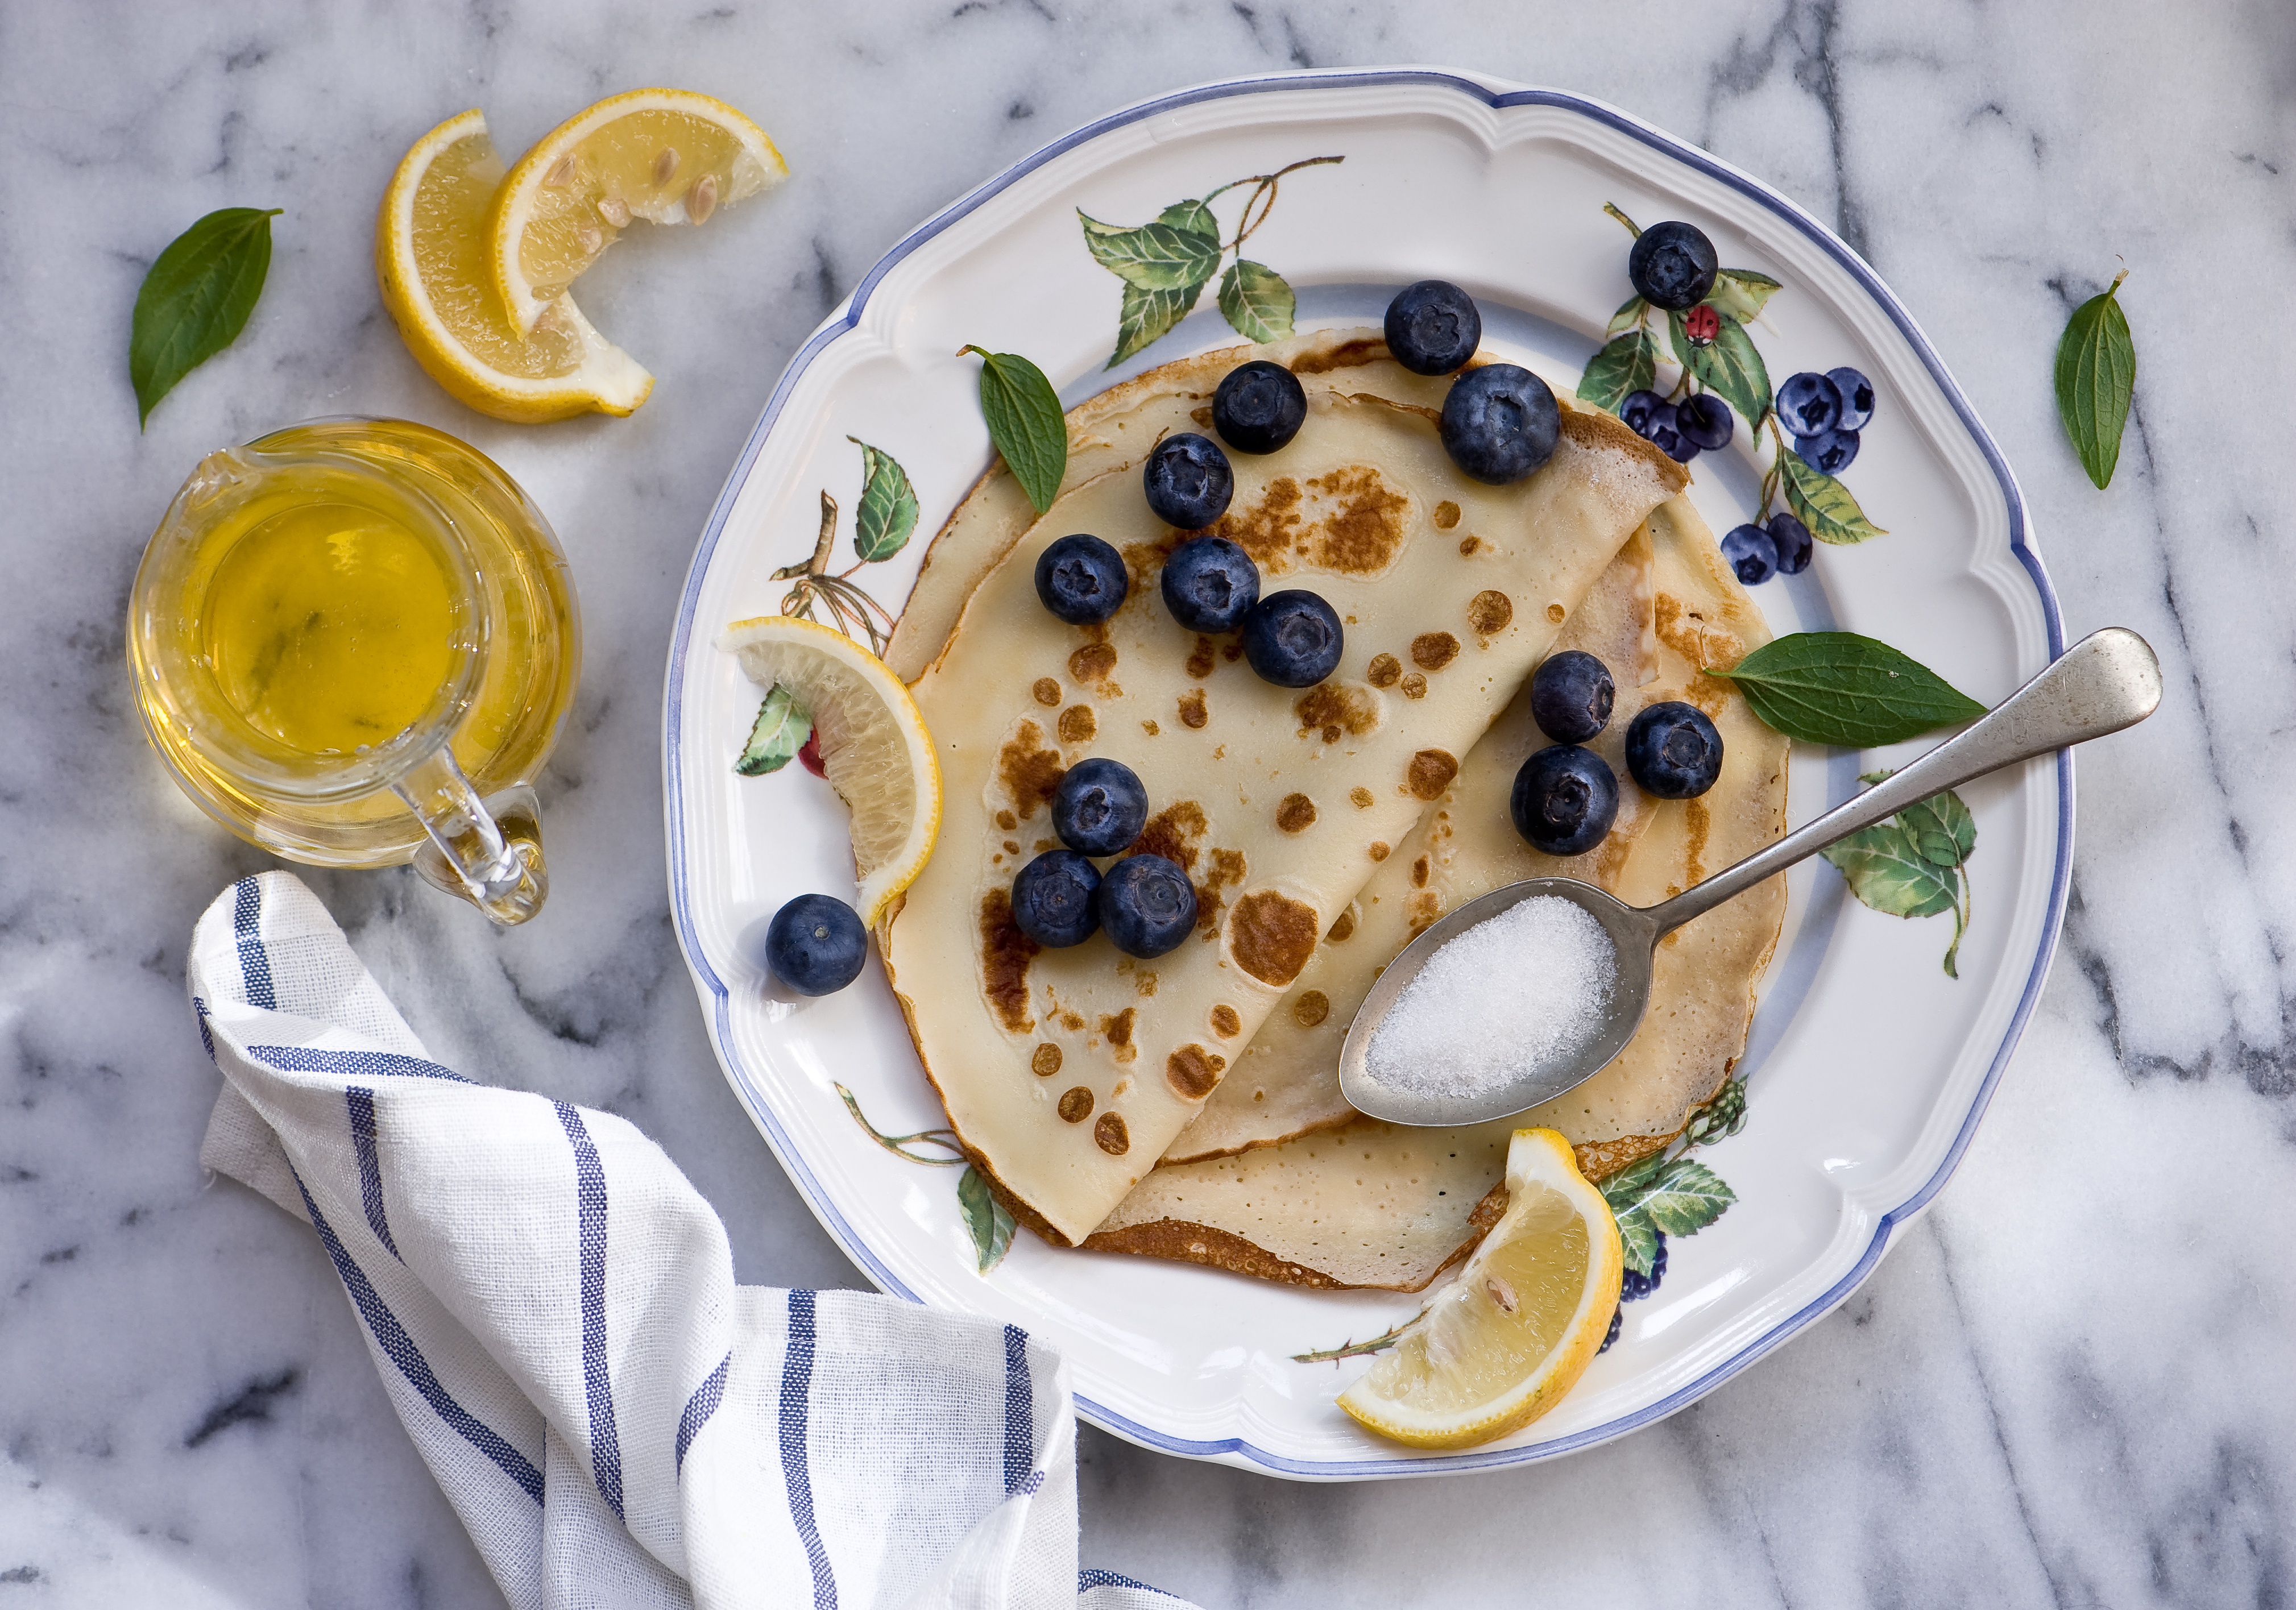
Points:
[(1145, 315), (1628, 364), (1728, 365), (1822, 503), (779, 732), (196, 299), (1739, 293), (1838, 688), (2096, 376), (985, 1217), (1154, 257), (1255, 299), (1025, 422), (887, 514)]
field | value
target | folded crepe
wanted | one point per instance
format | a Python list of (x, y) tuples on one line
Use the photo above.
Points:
[(1355, 1202), (1067, 1073)]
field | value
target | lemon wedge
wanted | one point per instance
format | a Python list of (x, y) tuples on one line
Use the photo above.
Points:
[(668, 156), (1502, 1344), (431, 258), (872, 743)]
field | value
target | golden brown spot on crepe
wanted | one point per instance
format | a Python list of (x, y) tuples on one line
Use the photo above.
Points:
[(1379, 849), (1415, 686), (1076, 1104), (1118, 1030), (1011, 848), (1200, 659), (1346, 354), (1296, 814), (1091, 663), (1360, 797), (1360, 537), (1145, 984), (1008, 822), (1151, 727), (1192, 1071), (1193, 714), (1701, 641), (1335, 708), (1344, 928), (1272, 936), (1047, 691), (1555, 612), (1226, 1022), (1311, 1009), (1710, 694), (1468, 545), (1030, 773), (1383, 671), (1447, 515), (1078, 724), (1433, 650), (1046, 1062), (1227, 873), (1419, 870), (1109, 1134), (1005, 953), (1489, 612), (1421, 908), (1232, 652), (1697, 821), (1172, 833), (1202, 416), (1431, 771), (1268, 528), (1071, 1020)]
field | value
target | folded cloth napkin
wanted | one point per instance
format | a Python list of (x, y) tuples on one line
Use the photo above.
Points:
[(552, 1310)]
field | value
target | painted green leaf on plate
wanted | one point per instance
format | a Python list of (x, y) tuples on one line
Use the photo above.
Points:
[(1194, 217), (1823, 503), (985, 1217), (779, 732), (1841, 688), (887, 513), (1255, 299), (1727, 366), (196, 299), (1739, 293), (1154, 257), (2096, 380), (1914, 864), (1627, 364), (1662, 1195), (1146, 315)]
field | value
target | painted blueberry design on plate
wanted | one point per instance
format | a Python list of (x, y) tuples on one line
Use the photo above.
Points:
[(985, 1218), (1166, 264)]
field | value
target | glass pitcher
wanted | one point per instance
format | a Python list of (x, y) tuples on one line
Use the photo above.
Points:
[(354, 643)]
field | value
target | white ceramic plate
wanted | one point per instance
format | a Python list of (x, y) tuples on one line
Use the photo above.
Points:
[(1869, 1067)]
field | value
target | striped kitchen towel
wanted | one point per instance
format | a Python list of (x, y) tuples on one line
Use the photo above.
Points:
[(552, 1310)]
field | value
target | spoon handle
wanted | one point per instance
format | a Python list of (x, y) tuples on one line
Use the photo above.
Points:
[(2107, 681)]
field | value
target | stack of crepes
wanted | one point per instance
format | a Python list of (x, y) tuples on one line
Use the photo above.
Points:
[(1188, 1106)]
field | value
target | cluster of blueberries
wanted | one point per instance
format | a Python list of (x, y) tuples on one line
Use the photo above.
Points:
[(1144, 901), (1824, 413), (1565, 798)]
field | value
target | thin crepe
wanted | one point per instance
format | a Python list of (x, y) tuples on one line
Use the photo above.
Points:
[(1067, 1073)]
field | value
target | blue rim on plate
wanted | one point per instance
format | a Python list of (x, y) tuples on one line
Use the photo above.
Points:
[(849, 317)]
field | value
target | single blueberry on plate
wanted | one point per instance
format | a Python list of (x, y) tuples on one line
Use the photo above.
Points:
[(1081, 579), (1751, 553), (1807, 404), (1188, 481), (1857, 397), (1259, 407), (1704, 420), (1564, 800), (1618, 1317), (1499, 423), (1673, 751), (1639, 409), (1830, 451), (1632, 1286), (1209, 583), (1672, 265), (816, 944), (1053, 899), (1571, 696), (1793, 543), (1100, 807), (1147, 905), (1433, 327), (1292, 638)]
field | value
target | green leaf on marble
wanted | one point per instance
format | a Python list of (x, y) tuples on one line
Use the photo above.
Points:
[(2096, 380), (195, 299)]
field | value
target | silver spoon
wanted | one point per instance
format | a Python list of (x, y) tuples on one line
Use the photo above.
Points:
[(2107, 681)]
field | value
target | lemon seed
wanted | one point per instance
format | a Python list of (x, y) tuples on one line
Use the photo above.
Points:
[(665, 165), (615, 211), (560, 172), (1502, 1293), (701, 201), (590, 239)]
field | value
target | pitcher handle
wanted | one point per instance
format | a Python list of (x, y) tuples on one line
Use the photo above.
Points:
[(488, 852)]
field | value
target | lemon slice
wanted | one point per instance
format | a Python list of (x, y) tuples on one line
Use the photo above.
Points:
[(872, 743), (1501, 1343), (430, 257), (668, 156)]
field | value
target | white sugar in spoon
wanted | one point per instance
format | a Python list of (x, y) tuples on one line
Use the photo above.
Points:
[(2107, 681)]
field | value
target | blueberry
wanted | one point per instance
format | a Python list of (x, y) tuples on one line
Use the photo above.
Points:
[(1053, 899), (1793, 544), (1618, 1317), (1564, 800), (1704, 420), (1807, 404), (1639, 409), (1100, 807), (1081, 579), (1187, 480), (1147, 905), (1632, 1285), (1830, 451), (1751, 553), (816, 944), (1209, 583), (1857, 397), (1499, 423), (1672, 265), (1259, 407), (1292, 638), (1432, 327), (1673, 751), (1571, 696)]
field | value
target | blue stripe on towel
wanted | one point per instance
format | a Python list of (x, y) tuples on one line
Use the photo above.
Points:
[(199, 1010), (358, 1064), (361, 1102), (796, 1386), (254, 963), (590, 1206), (1020, 1411), (1087, 1581), (399, 1347), (701, 1406)]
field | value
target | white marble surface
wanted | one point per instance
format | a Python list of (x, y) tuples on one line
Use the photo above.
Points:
[(2067, 1385)]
